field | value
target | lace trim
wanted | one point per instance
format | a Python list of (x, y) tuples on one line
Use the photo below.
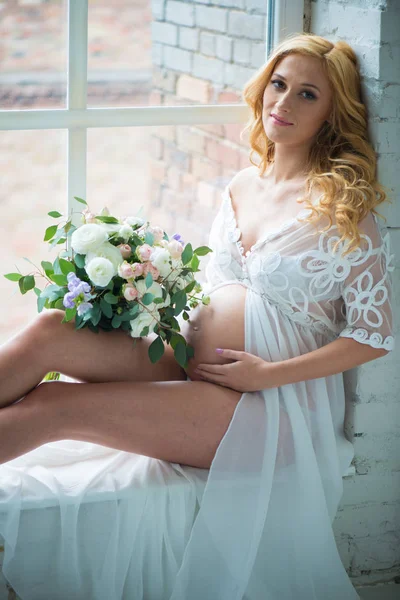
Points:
[(375, 339), (235, 234)]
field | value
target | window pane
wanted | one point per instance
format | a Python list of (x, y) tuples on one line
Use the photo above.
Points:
[(176, 173), (33, 183), (164, 52), (33, 54)]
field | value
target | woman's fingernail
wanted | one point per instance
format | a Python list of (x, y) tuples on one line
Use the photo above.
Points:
[(219, 350)]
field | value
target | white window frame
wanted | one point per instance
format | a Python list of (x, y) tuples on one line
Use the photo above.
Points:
[(283, 17)]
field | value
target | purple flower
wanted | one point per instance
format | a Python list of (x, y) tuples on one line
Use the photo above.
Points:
[(84, 307), (178, 238), (68, 300)]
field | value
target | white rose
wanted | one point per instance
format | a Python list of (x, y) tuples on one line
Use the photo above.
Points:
[(100, 271), (87, 238), (160, 258), (125, 231), (108, 251), (110, 228), (133, 221), (143, 320), (154, 289)]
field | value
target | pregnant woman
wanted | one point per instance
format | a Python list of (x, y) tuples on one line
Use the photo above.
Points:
[(223, 481)]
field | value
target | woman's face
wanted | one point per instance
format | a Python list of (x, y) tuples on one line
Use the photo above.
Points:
[(287, 96)]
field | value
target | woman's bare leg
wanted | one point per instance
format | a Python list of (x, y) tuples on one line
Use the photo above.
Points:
[(176, 421), (46, 345)]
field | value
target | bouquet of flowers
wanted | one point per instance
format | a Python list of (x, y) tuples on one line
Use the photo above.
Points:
[(120, 273)]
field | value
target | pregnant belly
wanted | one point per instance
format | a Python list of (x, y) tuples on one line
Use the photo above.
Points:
[(218, 325)]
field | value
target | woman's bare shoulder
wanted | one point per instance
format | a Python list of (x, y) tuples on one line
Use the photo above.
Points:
[(239, 183)]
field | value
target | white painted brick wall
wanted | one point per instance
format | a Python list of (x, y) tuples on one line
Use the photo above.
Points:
[(367, 526)]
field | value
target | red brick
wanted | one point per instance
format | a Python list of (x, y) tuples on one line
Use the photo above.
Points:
[(232, 132), (197, 90), (174, 178), (229, 97), (187, 139), (215, 129), (172, 100), (158, 170), (188, 183), (206, 195), (223, 154), (156, 147), (167, 132), (204, 169)]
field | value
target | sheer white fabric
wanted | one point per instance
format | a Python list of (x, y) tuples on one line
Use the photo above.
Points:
[(258, 524)]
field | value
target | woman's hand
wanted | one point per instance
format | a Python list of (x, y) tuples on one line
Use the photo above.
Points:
[(249, 373)]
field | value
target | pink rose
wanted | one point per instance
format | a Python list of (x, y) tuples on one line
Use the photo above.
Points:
[(157, 232), (137, 269), (125, 271), (149, 268), (144, 252), (175, 248), (130, 292), (125, 250), (88, 216)]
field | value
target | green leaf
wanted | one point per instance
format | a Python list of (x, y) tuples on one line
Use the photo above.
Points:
[(145, 331), (147, 299), (156, 350), (190, 287), (59, 279), (59, 304), (149, 280), (80, 200), (41, 301), (47, 267), (13, 276), (180, 354), (50, 231), (69, 315), (189, 351), (187, 254), (52, 292), (60, 241), (66, 266), (177, 339), (37, 291), (21, 285), (107, 219), (55, 214), (70, 230), (56, 266), (180, 301), (29, 283), (95, 314), (149, 238), (202, 250), (106, 308), (195, 262), (185, 316), (79, 260), (110, 298)]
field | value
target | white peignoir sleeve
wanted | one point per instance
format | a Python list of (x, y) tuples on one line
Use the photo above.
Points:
[(366, 288)]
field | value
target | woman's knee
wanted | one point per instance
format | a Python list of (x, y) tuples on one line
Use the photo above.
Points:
[(48, 323)]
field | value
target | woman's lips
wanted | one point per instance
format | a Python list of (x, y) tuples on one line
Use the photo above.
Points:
[(279, 122)]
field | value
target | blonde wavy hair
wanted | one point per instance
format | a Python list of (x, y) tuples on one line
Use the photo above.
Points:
[(342, 161)]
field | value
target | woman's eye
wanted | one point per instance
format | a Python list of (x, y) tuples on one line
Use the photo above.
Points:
[(310, 95)]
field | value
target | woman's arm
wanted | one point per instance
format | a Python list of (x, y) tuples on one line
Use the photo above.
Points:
[(337, 356)]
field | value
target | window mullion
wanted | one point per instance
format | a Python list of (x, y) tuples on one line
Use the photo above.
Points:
[(76, 101)]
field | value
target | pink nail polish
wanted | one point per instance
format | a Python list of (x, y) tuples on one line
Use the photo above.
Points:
[(219, 350)]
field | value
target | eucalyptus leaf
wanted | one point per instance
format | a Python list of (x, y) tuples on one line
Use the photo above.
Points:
[(180, 354), (59, 279), (147, 299), (49, 233), (107, 219), (80, 200), (13, 276), (145, 331), (106, 308), (202, 250), (79, 260), (156, 350), (29, 282), (66, 266), (149, 280), (69, 315), (110, 298), (116, 321), (187, 254), (55, 214)]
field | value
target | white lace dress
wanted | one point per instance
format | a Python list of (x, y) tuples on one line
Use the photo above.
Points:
[(258, 524)]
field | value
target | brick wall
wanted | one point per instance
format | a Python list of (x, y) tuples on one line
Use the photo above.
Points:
[(367, 527), (202, 54)]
